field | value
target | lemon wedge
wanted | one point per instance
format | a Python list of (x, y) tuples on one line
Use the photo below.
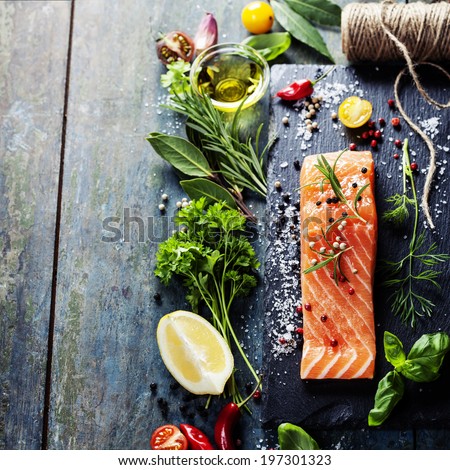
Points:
[(194, 352)]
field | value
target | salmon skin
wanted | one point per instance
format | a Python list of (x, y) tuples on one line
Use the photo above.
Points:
[(338, 253)]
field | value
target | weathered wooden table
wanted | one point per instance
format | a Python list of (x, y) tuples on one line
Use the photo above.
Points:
[(79, 91)]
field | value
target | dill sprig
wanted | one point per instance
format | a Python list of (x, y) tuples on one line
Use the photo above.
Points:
[(416, 265), (329, 172)]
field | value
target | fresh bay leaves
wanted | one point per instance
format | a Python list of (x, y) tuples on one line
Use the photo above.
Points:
[(180, 153), (270, 45), (393, 349), (200, 187), (300, 28), (322, 12), (390, 391), (425, 357), (292, 437)]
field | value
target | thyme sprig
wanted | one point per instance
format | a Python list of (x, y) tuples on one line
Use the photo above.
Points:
[(415, 266), (331, 178)]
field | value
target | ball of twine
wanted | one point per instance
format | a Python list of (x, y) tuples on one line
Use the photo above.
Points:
[(424, 29), (416, 32)]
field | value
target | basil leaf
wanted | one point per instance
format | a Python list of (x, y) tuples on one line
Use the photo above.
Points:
[(300, 28), (320, 11), (393, 349), (180, 153), (270, 45), (431, 349), (417, 372), (200, 187), (390, 391), (291, 437), (426, 357)]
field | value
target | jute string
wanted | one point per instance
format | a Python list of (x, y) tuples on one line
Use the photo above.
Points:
[(416, 32)]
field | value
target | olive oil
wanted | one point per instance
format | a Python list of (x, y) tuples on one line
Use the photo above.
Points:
[(229, 78)]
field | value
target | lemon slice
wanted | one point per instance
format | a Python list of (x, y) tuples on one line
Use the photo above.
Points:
[(194, 352)]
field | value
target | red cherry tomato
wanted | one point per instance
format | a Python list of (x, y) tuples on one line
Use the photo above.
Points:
[(168, 437), (175, 45)]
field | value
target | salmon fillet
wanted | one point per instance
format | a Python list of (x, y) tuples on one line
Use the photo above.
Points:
[(337, 299)]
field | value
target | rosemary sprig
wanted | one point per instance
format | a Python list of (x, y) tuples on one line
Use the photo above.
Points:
[(406, 302), (329, 172), (240, 163), (330, 257)]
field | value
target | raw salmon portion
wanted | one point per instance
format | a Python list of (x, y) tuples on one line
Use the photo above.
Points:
[(338, 317)]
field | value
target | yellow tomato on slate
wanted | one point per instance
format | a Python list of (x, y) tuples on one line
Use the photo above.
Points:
[(257, 17), (354, 112)]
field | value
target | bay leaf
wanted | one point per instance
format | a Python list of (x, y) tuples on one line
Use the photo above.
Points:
[(322, 12), (201, 187), (180, 153), (300, 28)]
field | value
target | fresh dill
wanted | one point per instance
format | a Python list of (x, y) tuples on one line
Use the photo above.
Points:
[(418, 263)]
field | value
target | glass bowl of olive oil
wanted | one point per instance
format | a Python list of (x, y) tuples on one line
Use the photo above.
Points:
[(231, 75)]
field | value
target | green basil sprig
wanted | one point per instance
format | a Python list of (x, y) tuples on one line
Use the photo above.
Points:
[(269, 45), (292, 437), (421, 365)]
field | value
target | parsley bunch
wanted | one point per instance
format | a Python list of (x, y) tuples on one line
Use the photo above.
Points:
[(216, 262)]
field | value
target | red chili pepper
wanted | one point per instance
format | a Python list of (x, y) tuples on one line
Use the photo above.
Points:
[(300, 88), (227, 420), (197, 439)]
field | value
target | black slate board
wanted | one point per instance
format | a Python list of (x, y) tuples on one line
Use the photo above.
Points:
[(332, 403)]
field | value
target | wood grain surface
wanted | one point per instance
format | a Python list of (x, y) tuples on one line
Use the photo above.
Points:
[(32, 88), (103, 348)]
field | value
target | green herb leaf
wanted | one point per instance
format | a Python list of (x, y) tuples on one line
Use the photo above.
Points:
[(389, 393), (319, 11), (291, 437), (201, 187), (180, 153), (393, 349), (270, 45), (177, 79), (300, 28), (426, 357)]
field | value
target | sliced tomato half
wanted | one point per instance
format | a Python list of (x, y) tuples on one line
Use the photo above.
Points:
[(168, 437)]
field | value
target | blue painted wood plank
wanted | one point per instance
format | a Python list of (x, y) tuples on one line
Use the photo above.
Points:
[(33, 50)]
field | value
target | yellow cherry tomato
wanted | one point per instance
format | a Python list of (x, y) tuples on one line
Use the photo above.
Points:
[(354, 112), (257, 17)]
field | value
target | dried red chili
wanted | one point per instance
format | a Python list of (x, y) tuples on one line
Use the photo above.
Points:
[(300, 88), (196, 438)]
